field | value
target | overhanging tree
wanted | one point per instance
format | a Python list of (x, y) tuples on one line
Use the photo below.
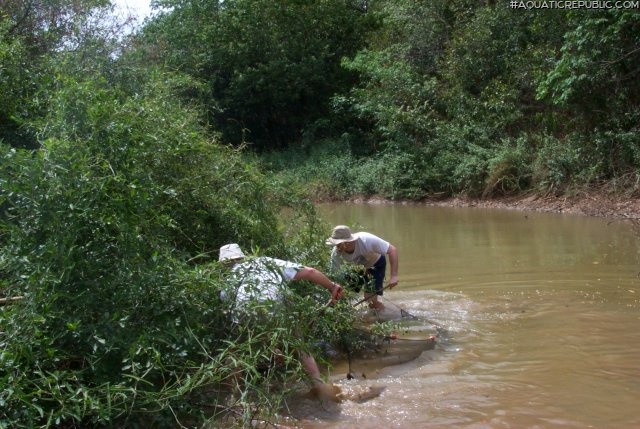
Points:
[(270, 68)]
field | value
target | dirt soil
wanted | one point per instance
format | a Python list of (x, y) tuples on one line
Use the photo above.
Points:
[(584, 204)]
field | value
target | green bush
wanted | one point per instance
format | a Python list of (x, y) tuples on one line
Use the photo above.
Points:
[(509, 169), (106, 303), (395, 176), (326, 169), (566, 162), (101, 232)]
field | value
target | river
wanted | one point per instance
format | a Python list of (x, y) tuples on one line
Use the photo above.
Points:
[(542, 312)]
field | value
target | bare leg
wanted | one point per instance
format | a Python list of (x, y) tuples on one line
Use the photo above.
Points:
[(325, 391), (373, 301)]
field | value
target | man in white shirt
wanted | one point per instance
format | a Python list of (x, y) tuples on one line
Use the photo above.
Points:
[(264, 279), (368, 250)]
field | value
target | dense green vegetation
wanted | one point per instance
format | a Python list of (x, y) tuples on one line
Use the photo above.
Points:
[(126, 161), (460, 97)]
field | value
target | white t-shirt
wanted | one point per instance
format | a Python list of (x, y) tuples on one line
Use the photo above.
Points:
[(368, 249), (263, 279)]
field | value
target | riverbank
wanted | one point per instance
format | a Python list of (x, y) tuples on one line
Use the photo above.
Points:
[(583, 204)]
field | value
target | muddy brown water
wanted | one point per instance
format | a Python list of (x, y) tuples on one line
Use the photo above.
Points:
[(543, 319)]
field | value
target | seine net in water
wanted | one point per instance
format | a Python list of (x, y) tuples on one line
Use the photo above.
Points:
[(365, 353)]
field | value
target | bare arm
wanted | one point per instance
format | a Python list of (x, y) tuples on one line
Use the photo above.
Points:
[(393, 261), (317, 277)]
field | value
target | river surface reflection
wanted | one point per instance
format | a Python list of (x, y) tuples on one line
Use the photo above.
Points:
[(543, 315)]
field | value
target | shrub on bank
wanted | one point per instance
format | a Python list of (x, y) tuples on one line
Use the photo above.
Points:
[(462, 162), (110, 234)]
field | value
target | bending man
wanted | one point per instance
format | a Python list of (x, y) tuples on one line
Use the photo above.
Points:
[(263, 279), (367, 250)]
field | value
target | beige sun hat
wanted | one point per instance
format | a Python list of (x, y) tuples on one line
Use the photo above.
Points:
[(340, 234), (230, 252)]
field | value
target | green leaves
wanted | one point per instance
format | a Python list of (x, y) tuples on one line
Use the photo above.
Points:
[(271, 67), (100, 233), (595, 60)]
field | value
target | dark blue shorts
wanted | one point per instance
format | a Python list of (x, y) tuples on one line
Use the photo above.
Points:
[(377, 272)]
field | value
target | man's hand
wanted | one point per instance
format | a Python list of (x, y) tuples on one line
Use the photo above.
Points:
[(336, 292), (393, 282)]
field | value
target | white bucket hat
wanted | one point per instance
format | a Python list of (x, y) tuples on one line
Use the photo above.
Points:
[(340, 234), (230, 252)]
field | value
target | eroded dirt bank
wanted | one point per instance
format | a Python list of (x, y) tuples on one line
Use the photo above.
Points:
[(585, 204)]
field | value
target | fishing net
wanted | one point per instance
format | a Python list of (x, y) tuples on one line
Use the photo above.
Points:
[(365, 350), (363, 353), (384, 337), (393, 312)]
